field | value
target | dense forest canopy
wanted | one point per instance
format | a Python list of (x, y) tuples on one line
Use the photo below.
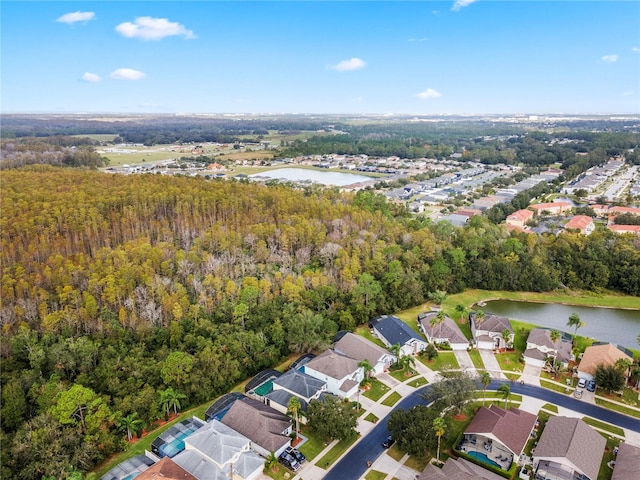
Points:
[(118, 292)]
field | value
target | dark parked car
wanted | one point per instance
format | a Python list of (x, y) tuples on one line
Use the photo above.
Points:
[(296, 454), (388, 443), (591, 386), (289, 461)]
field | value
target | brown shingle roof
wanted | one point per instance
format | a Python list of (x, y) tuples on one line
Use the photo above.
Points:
[(574, 440), (259, 423), (595, 355), (359, 348), (511, 427), (627, 462), (166, 469), (333, 364), (459, 469)]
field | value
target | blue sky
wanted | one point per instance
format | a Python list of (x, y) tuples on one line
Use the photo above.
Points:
[(321, 57)]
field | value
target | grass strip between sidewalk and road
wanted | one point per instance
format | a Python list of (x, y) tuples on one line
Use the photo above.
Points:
[(604, 426), (392, 399), (336, 452)]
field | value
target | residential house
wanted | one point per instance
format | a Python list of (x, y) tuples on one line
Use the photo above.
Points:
[(294, 383), (568, 448), (392, 331), (603, 354), (342, 374), (447, 331), (165, 469), (627, 464), (540, 346), (487, 331), (583, 223), (613, 211), (600, 210), (267, 428), (519, 218), (498, 434), (170, 442), (457, 469), (216, 451), (552, 208), (359, 348)]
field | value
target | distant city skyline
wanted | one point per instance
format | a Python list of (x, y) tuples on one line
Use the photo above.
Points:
[(345, 57)]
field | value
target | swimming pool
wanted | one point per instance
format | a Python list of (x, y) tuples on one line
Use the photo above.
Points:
[(484, 459)]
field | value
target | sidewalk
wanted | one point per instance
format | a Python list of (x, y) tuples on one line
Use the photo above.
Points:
[(396, 469)]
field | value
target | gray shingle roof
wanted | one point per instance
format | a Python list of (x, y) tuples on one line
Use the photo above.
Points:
[(259, 423), (575, 440), (511, 427), (459, 469), (493, 323), (217, 441), (394, 330), (359, 348), (447, 329), (627, 462), (333, 364), (299, 383), (282, 397)]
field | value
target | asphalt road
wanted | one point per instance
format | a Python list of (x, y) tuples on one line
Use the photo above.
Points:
[(354, 464)]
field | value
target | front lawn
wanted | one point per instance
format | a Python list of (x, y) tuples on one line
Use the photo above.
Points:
[(371, 418), (375, 475), (420, 463), (377, 390), (605, 471), (510, 361), (443, 360), (314, 444), (403, 374), (476, 359), (555, 387)]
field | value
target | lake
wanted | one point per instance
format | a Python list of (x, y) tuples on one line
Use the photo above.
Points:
[(604, 324), (324, 177)]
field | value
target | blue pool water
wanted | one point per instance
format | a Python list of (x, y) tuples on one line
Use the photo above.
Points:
[(483, 458), (175, 447)]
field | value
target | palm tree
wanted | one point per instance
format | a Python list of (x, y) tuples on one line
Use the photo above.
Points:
[(555, 335), (131, 423), (462, 310), (623, 364), (439, 427), (440, 320), (504, 390), (506, 336), (479, 318), (294, 408), (271, 462), (406, 362), (638, 339), (485, 379), (395, 350), (170, 398), (576, 323), (366, 366)]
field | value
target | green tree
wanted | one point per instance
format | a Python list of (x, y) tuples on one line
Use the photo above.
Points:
[(462, 310), (413, 429), (81, 405), (555, 335), (504, 391), (170, 399), (240, 311), (331, 418), (485, 379), (14, 405), (177, 368), (609, 377), (431, 352), (439, 428), (366, 366), (396, 348), (506, 337), (575, 323), (294, 407), (130, 424), (479, 319), (271, 462), (407, 362), (453, 391)]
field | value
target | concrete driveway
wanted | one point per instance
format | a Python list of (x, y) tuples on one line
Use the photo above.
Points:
[(491, 365), (531, 374), (464, 360)]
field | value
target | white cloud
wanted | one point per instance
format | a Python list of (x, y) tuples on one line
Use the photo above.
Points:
[(348, 65), (610, 58), (91, 77), (428, 94), (421, 39), (635, 49), (628, 94), (149, 28), (458, 4), (73, 17), (127, 74)]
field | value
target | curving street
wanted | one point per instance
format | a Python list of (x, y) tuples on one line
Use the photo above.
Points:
[(353, 464)]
